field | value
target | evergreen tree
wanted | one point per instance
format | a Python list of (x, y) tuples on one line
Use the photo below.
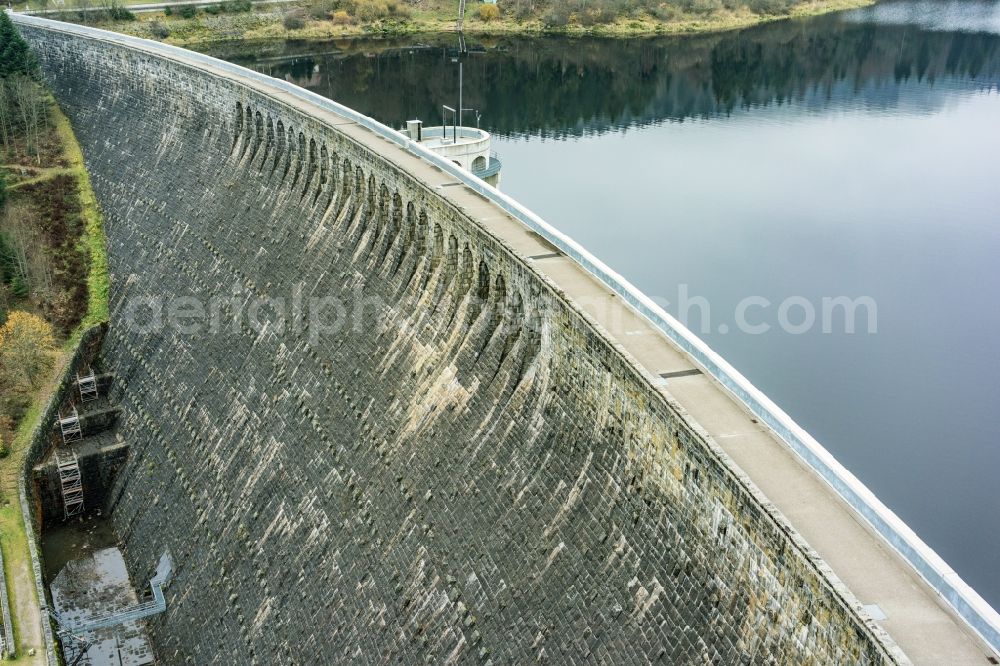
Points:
[(8, 265), (15, 57)]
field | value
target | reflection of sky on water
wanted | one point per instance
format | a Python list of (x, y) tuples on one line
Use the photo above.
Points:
[(958, 16), (910, 97), (89, 587), (892, 195)]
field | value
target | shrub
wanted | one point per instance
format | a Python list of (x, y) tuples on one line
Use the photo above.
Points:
[(187, 11), (11, 274), (6, 434), (8, 261), (556, 18), (769, 6), (115, 10), (158, 30), (488, 12), (293, 21), (596, 16), (344, 12), (19, 287), (321, 10), (118, 13), (237, 6), (168, 11), (522, 11), (665, 12), (371, 10), (702, 6), (397, 10), (214, 10)]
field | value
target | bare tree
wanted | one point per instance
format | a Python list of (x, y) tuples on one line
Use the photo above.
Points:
[(37, 116), (6, 102), (106, 10), (19, 224), (40, 272), (31, 109), (83, 8), (20, 88)]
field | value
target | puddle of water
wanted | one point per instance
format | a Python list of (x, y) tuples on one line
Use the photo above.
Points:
[(65, 542), (88, 578)]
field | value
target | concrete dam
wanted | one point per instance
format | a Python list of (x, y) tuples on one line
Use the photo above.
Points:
[(496, 459)]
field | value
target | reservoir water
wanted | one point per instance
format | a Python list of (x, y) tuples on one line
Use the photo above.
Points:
[(746, 180)]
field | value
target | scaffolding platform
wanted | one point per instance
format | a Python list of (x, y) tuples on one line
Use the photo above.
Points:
[(71, 483), (69, 426), (87, 384)]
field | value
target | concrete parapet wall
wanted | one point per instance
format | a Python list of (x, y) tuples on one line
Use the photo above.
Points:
[(475, 473)]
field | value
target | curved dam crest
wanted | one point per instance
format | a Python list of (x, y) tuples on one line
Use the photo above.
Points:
[(477, 474)]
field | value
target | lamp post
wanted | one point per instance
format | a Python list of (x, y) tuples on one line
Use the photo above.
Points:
[(478, 115)]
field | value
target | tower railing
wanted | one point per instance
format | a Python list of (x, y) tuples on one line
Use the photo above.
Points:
[(69, 426)]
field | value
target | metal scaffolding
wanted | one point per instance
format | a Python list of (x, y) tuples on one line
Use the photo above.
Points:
[(87, 384), (71, 482), (157, 604), (70, 427)]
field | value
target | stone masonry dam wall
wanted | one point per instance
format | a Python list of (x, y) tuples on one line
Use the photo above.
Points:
[(476, 474)]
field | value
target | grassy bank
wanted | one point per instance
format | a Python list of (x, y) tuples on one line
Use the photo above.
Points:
[(304, 22), (93, 237), (65, 167)]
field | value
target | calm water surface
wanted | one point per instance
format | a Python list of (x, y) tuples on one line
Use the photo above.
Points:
[(850, 155)]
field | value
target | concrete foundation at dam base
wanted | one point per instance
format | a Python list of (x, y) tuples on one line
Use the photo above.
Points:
[(499, 461)]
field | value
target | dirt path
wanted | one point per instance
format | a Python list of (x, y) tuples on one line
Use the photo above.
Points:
[(42, 173), (28, 614)]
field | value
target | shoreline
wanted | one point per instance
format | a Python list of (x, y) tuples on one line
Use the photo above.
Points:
[(266, 24)]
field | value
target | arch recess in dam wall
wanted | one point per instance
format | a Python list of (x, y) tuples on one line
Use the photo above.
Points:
[(475, 472)]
